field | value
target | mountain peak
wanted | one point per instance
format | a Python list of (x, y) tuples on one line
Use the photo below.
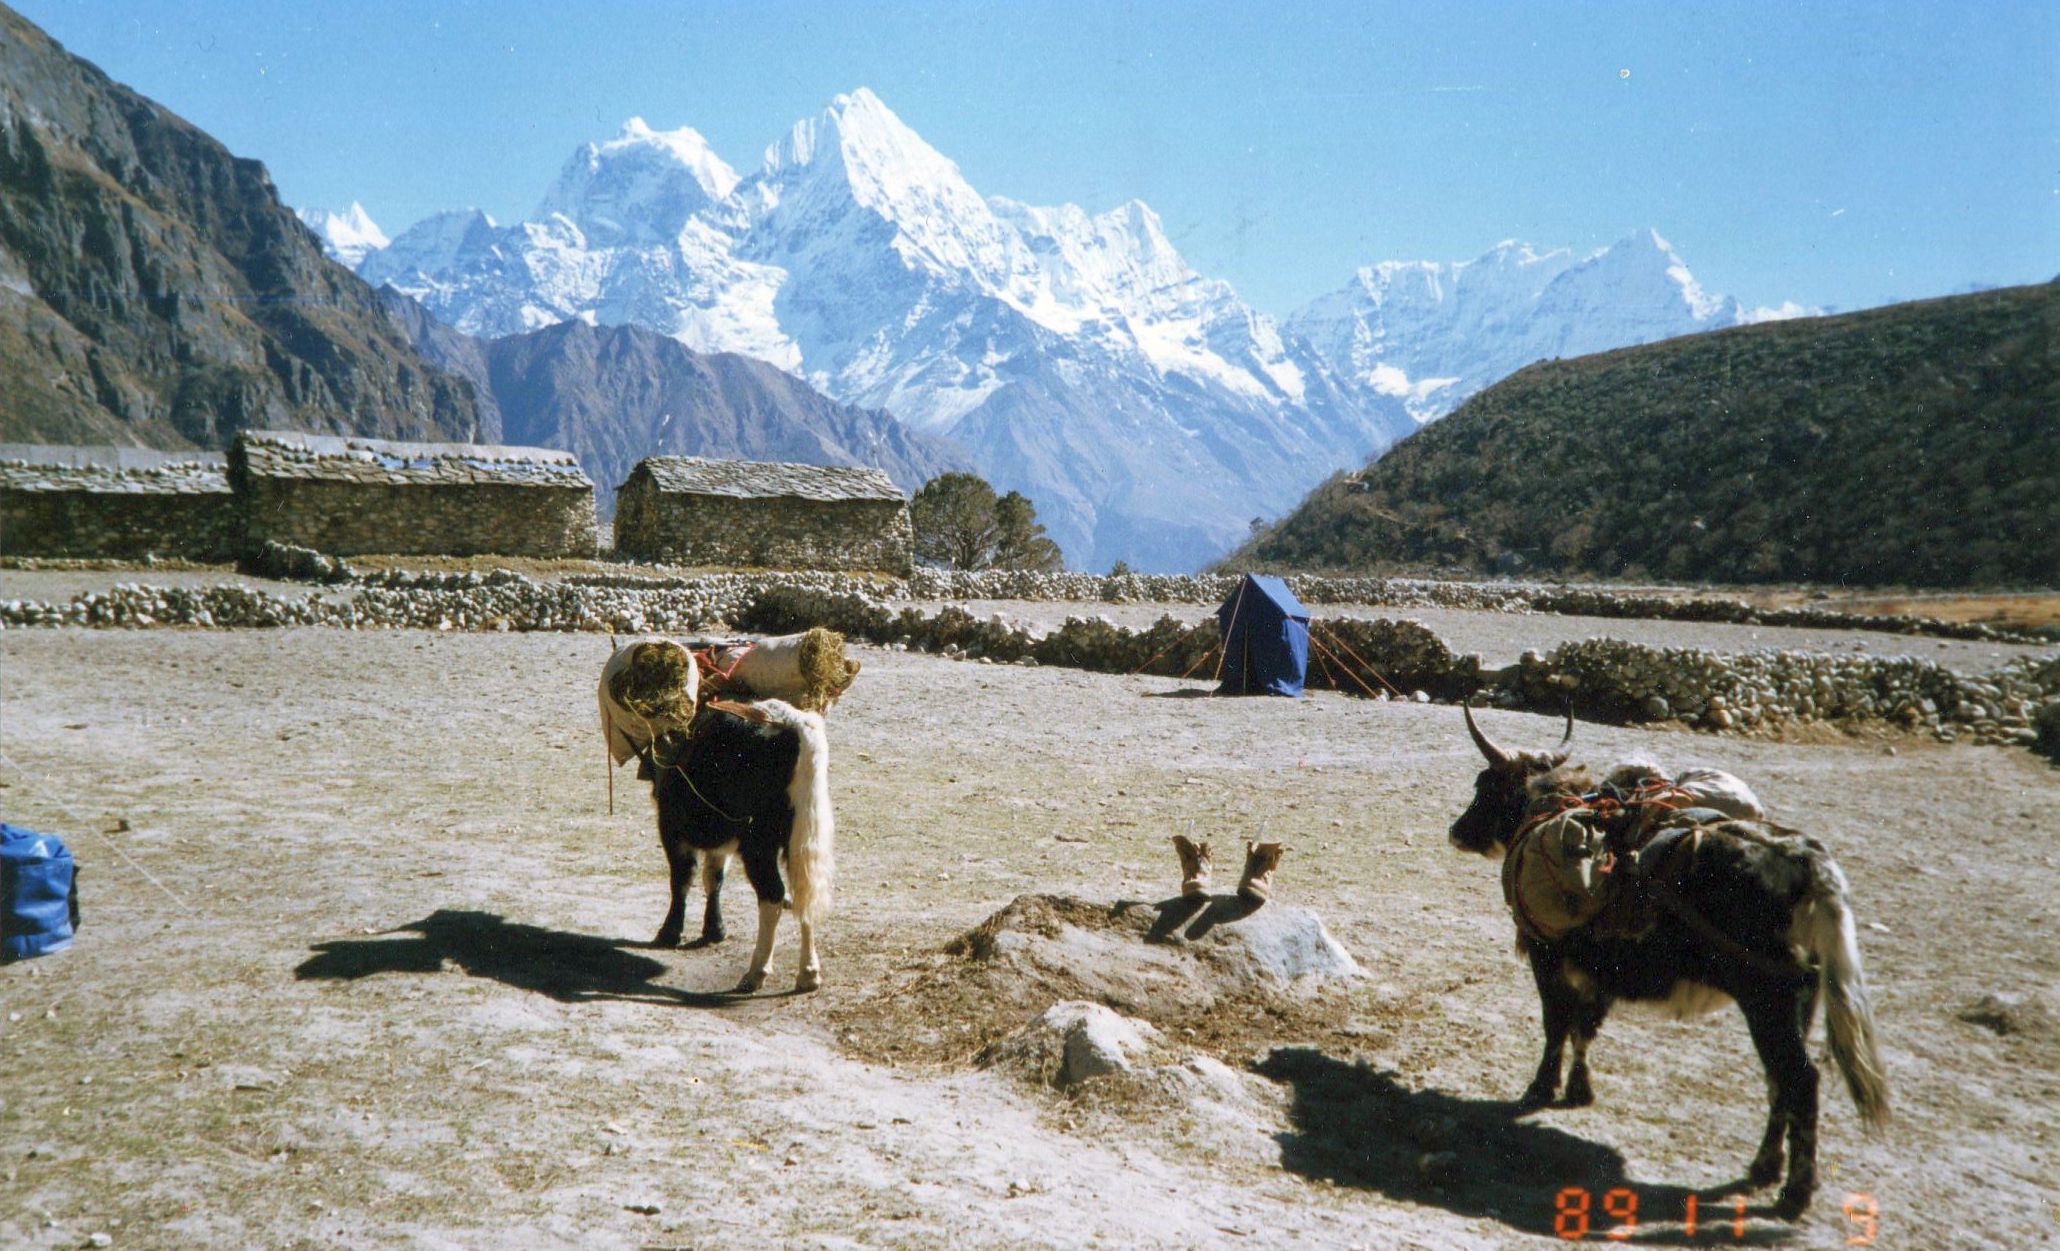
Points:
[(1649, 260), (859, 100), (348, 236), (879, 156), (1643, 241), (856, 164), (640, 187)]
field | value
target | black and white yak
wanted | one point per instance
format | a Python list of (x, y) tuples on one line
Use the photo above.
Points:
[(1737, 911), (751, 780)]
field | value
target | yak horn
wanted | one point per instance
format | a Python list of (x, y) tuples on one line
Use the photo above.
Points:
[(750, 712), (1568, 737), (1496, 756)]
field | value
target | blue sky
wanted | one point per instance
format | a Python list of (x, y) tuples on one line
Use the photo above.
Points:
[(1840, 155)]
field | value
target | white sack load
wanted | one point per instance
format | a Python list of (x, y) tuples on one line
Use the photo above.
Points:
[(807, 670), (647, 687)]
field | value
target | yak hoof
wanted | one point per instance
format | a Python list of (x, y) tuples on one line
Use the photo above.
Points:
[(1765, 1170), (667, 937), (750, 984), (1792, 1202), (1535, 1096), (809, 980), (1579, 1094)]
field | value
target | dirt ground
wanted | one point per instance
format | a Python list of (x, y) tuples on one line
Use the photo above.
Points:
[(364, 965)]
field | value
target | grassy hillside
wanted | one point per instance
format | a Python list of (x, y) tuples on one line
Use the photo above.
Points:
[(1916, 445)]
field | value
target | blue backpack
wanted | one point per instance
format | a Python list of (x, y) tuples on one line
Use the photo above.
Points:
[(39, 894)]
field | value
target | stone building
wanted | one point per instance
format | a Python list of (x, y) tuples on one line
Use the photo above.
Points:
[(347, 496), (118, 502), (739, 512)]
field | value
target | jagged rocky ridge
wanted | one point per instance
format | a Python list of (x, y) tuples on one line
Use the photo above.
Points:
[(154, 291)]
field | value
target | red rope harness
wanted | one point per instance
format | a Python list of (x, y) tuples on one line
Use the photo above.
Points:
[(1654, 793), (712, 670)]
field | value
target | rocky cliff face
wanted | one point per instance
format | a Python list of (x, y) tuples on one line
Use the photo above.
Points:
[(153, 290), (613, 395)]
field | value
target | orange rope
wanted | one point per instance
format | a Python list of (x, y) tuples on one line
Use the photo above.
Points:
[(1182, 638), (1200, 661), (704, 660), (1325, 651), (1328, 676), (1369, 668), (1235, 605)]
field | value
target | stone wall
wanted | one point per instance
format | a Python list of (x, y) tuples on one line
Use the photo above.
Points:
[(1600, 679), (353, 518), (126, 526), (764, 532)]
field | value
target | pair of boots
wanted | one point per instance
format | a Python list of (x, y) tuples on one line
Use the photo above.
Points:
[(1256, 886)]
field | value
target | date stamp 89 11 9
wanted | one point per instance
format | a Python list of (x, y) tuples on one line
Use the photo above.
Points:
[(1577, 1214)]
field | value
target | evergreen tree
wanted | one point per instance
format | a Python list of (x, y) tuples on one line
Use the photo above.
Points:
[(961, 524)]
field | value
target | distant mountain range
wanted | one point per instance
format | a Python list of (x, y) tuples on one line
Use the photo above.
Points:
[(1432, 334), (1148, 411), (1915, 445)]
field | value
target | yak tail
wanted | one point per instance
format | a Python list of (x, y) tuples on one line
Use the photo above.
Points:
[(812, 844), (1833, 939)]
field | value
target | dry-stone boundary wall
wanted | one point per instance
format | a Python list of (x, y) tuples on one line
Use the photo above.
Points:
[(1602, 679)]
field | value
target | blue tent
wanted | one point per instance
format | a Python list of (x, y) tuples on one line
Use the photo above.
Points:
[(1265, 639)]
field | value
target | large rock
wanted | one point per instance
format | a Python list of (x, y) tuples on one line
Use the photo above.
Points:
[(1277, 941), (1073, 1041), (1166, 960)]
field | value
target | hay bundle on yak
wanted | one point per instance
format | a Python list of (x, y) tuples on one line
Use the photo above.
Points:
[(807, 670), (647, 687)]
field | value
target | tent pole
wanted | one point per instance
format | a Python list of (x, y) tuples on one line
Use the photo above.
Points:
[(1235, 605)]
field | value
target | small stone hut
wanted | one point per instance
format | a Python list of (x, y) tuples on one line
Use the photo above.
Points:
[(115, 502), (741, 512), (347, 496)]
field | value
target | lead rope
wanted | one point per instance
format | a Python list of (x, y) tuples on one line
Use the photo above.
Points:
[(707, 802), (93, 828)]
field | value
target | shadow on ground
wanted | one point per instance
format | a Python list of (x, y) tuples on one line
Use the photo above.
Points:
[(1191, 917), (571, 968), (1355, 1126)]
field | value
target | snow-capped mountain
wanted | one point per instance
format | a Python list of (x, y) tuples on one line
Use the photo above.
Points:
[(348, 236), (639, 189), (1432, 333), (1149, 412)]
